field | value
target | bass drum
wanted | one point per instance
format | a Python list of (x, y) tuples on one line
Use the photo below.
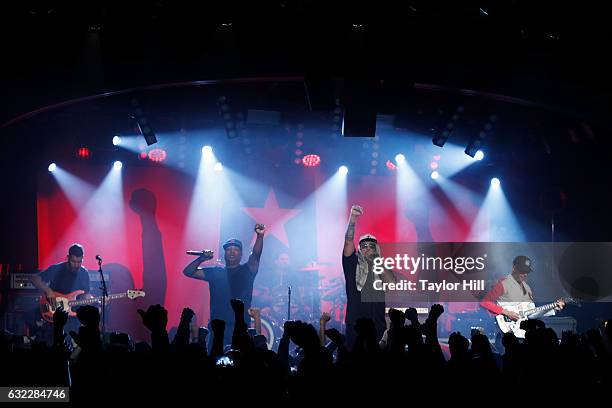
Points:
[(273, 332)]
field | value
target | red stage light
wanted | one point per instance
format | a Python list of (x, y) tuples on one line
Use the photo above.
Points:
[(436, 157), (157, 155), (311, 160), (83, 152), (390, 165), (142, 155), (433, 165)]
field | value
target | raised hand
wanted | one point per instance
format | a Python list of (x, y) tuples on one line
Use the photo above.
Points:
[(88, 315), (187, 315), (60, 318), (335, 336), (412, 315), (288, 327), (237, 306), (356, 211), (436, 311), (217, 326), (325, 317), (254, 312), (260, 229), (207, 254), (155, 318)]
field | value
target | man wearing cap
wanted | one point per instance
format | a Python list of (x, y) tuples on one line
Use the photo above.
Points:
[(362, 300), (234, 281), (513, 289)]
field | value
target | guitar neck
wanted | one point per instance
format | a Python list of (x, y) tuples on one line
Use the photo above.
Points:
[(543, 308), (96, 299)]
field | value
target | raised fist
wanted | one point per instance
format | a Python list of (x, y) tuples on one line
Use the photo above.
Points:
[(436, 310), (412, 315), (217, 326), (60, 317), (237, 306), (356, 211), (254, 312), (155, 318), (187, 315), (260, 229), (325, 317), (88, 315)]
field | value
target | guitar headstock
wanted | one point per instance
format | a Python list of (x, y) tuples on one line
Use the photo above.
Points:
[(572, 301), (133, 294)]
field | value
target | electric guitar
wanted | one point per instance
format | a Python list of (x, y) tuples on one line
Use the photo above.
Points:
[(67, 301), (524, 310)]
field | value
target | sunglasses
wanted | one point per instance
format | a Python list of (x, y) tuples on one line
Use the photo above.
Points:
[(366, 245)]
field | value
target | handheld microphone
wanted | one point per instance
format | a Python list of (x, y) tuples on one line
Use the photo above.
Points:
[(207, 253)]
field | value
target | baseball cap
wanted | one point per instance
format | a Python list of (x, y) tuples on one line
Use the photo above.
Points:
[(522, 264), (367, 238), (232, 242)]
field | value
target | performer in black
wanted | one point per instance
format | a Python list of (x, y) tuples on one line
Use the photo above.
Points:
[(362, 300), (234, 281)]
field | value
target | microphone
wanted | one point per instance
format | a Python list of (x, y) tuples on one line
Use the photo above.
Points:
[(206, 253), (98, 258)]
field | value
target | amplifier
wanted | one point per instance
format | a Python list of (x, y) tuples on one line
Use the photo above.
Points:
[(26, 301), (21, 281)]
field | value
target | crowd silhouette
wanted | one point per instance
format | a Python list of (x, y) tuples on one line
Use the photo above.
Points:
[(406, 361)]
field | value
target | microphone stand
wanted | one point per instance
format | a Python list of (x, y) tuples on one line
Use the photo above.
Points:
[(104, 295), (289, 303)]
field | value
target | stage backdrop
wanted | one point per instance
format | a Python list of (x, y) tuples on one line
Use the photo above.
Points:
[(142, 219)]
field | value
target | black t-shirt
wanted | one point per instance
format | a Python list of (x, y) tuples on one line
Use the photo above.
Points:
[(373, 306), (226, 284), (61, 279)]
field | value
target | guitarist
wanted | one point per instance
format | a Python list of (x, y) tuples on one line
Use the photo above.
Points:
[(65, 277), (514, 288)]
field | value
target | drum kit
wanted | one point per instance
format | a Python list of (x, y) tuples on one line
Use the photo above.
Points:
[(302, 301)]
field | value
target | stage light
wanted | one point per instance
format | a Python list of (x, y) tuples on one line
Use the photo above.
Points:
[(343, 170), (142, 155), (433, 165), (52, 167), (117, 165), (157, 155), (390, 165), (218, 167), (479, 155), (83, 152), (116, 141), (400, 158), (311, 160), (434, 175), (207, 150), (144, 127), (495, 182), (440, 138)]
